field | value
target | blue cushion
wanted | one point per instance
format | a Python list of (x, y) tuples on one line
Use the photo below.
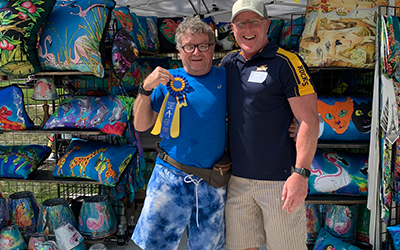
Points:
[(325, 240), (20, 23), (291, 33), (275, 29), (13, 115), (75, 44), (94, 160), (337, 172), (19, 161), (106, 113), (395, 233)]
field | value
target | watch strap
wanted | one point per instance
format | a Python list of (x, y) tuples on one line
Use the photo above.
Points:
[(142, 91), (302, 171)]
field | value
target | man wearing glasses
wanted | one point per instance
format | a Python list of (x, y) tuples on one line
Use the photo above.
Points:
[(266, 87), (187, 107)]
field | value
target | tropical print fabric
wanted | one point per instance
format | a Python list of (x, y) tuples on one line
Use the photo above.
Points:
[(20, 22), (20, 161)]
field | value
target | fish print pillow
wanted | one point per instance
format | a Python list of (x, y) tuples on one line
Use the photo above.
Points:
[(108, 114)]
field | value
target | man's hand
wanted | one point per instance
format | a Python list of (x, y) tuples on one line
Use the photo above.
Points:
[(294, 192), (157, 76)]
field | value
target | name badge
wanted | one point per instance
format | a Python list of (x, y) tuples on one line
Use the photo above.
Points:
[(258, 76)]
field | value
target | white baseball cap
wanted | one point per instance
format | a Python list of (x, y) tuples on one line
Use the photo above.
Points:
[(256, 6)]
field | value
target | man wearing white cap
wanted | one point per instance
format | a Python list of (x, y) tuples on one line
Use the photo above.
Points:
[(266, 87)]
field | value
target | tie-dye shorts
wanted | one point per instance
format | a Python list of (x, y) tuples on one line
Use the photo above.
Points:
[(171, 206)]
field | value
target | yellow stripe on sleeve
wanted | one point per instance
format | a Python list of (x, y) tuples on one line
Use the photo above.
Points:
[(299, 72)]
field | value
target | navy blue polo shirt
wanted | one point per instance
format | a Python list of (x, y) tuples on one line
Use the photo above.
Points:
[(259, 114)]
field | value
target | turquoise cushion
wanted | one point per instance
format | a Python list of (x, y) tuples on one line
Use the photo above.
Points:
[(327, 241), (20, 23), (76, 44), (338, 172), (19, 161), (395, 233), (108, 114), (275, 29), (94, 160), (291, 33), (13, 115)]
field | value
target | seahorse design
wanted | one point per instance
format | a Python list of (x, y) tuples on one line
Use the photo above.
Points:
[(83, 161), (61, 162)]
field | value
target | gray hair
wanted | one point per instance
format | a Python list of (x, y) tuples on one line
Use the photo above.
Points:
[(191, 26)]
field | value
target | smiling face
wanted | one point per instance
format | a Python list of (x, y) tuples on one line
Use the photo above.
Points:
[(251, 39), (196, 63)]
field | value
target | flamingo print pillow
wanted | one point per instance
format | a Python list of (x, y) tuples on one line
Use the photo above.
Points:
[(337, 172), (108, 114), (98, 161), (340, 222), (76, 44), (19, 161), (13, 115), (20, 22), (344, 118)]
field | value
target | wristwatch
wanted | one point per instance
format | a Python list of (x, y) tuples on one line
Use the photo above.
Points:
[(302, 171), (142, 91)]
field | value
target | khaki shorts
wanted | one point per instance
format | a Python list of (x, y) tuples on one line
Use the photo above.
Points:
[(254, 217)]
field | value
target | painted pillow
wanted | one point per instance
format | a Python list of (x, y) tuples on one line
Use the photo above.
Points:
[(344, 118), (166, 33), (291, 33), (19, 161), (313, 223), (13, 115), (139, 31), (327, 241), (152, 34), (340, 36), (395, 233), (174, 64), (108, 114), (76, 44), (275, 29), (336, 172), (225, 38), (20, 22), (340, 222), (94, 160)]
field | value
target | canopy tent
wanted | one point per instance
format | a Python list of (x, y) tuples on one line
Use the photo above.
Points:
[(219, 9)]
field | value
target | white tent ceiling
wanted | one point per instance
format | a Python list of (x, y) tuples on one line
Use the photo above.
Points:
[(219, 9)]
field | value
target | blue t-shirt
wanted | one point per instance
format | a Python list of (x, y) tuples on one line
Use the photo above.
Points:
[(259, 114), (201, 141)]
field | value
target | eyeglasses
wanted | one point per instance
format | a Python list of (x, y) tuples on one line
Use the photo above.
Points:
[(253, 23), (203, 47)]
